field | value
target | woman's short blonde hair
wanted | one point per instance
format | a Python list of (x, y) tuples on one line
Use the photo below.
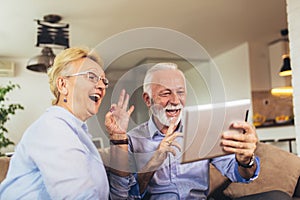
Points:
[(61, 66)]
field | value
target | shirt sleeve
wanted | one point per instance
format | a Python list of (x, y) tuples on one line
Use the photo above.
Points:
[(243, 180), (68, 169), (228, 167), (124, 187)]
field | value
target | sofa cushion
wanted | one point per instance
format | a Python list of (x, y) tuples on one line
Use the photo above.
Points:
[(217, 184), (4, 163), (280, 170)]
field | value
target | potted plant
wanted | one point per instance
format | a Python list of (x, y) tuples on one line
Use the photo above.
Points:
[(6, 110)]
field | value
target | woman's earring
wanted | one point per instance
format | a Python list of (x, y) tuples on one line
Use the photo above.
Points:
[(65, 99)]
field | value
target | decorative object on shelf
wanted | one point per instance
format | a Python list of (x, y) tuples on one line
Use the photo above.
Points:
[(6, 110), (51, 34), (282, 119), (258, 119)]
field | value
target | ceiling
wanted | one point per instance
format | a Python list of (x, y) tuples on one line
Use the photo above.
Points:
[(218, 25)]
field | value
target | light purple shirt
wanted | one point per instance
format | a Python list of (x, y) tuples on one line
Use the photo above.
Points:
[(172, 180), (56, 159)]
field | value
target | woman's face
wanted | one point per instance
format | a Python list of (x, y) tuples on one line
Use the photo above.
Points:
[(85, 90)]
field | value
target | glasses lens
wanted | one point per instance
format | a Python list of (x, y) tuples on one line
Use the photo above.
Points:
[(105, 81), (92, 77)]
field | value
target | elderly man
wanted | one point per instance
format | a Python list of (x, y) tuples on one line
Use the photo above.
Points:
[(154, 147)]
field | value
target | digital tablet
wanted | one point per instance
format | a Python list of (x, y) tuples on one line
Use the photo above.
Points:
[(203, 126)]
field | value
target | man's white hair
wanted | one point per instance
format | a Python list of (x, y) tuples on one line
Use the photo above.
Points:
[(158, 67)]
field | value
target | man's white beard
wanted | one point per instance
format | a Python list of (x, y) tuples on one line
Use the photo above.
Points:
[(160, 113)]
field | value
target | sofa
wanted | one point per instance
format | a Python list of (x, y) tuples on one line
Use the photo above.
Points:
[(4, 163), (280, 170)]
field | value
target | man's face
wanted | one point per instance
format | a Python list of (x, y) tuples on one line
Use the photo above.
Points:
[(168, 96)]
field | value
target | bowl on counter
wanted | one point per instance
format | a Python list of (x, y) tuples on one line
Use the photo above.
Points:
[(258, 119), (282, 119)]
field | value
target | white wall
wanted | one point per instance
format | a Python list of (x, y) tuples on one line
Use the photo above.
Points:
[(225, 77), (34, 95), (234, 68), (259, 70), (293, 10)]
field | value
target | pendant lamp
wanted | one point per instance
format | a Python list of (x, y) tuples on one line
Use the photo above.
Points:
[(286, 67), (42, 62), (51, 34)]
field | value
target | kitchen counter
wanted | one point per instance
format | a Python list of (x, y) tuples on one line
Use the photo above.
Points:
[(283, 133), (274, 124)]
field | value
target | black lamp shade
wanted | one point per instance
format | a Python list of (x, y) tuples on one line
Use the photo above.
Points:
[(41, 63), (286, 69), (52, 34)]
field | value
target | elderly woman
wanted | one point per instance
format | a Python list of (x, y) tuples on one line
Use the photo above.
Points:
[(56, 158)]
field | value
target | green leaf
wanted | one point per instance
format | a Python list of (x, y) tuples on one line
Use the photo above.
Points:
[(6, 111)]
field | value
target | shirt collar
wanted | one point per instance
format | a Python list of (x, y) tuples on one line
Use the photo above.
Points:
[(153, 130), (69, 118)]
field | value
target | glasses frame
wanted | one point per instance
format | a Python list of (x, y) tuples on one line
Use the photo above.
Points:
[(92, 79)]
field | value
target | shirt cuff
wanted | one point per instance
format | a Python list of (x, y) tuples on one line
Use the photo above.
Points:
[(135, 189), (124, 187), (255, 175)]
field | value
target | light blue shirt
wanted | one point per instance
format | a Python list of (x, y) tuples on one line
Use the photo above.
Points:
[(172, 180), (56, 159)]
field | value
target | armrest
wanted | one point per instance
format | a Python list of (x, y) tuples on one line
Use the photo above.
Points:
[(217, 183), (4, 163)]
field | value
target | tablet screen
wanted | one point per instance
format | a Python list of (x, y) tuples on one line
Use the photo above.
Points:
[(204, 124)]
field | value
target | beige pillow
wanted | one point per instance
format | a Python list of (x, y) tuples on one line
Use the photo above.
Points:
[(280, 170)]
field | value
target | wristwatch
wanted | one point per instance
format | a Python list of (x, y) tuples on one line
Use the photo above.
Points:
[(249, 165), (119, 142)]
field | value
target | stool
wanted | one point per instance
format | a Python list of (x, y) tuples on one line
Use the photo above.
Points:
[(269, 140), (289, 140)]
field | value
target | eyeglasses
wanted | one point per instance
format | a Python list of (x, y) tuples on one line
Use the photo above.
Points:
[(92, 77)]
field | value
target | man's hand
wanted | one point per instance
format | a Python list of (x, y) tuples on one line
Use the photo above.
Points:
[(243, 144), (167, 145), (241, 140), (117, 119), (116, 123)]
